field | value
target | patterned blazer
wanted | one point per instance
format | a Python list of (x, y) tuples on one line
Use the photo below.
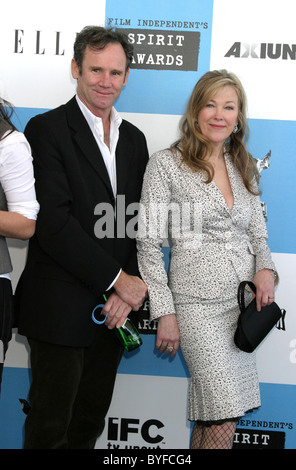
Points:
[(213, 247)]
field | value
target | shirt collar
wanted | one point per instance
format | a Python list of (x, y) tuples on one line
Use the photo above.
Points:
[(115, 118)]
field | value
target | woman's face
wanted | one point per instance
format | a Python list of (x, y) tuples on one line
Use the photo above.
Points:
[(218, 117)]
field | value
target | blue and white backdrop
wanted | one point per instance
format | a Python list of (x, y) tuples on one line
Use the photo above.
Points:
[(175, 43)]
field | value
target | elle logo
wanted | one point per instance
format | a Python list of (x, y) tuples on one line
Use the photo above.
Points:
[(39, 47)]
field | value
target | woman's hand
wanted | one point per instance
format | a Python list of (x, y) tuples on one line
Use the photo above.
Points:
[(168, 335), (264, 282)]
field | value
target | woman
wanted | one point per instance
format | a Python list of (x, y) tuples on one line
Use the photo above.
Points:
[(203, 192), (18, 211)]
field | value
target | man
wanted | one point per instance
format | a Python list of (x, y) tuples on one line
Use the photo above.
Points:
[(84, 156)]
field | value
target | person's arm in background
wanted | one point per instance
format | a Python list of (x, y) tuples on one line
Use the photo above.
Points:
[(17, 180)]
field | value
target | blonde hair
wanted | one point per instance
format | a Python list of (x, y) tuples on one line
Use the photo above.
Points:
[(195, 147)]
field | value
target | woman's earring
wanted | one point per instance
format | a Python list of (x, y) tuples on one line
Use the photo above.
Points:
[(235, 129)]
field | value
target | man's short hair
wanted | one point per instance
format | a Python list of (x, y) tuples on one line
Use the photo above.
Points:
[(97, 38)]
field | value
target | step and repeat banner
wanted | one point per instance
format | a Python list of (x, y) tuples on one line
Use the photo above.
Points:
[(174, 43)]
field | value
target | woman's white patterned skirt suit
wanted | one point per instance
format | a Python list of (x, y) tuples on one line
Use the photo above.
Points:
[(213, 248)]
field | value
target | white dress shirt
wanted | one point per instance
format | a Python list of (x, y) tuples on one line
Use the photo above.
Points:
[(17, 177), (96, 126)]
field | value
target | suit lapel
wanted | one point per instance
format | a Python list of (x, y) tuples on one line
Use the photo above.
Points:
[(86, 142), (238, 188), (211, 190), (215, 193), (124, 153)]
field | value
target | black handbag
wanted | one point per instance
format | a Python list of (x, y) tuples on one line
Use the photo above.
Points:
[(252, 325)]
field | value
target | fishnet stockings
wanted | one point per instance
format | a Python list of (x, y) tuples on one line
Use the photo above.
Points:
[(217, 436)]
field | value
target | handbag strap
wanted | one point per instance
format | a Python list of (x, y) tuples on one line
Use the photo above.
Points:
[(241, 293), (241, 302)]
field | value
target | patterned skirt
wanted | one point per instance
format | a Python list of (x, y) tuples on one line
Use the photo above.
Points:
[(223, 380)]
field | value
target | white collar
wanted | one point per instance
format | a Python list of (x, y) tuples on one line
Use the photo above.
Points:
[(115, 118)]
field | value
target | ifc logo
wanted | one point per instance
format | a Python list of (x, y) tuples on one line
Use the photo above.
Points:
[(119, 429)]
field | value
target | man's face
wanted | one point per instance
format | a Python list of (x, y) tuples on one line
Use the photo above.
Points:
[(102, 77)]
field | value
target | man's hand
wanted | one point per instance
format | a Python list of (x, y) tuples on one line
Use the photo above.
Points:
[(117, 311), (131, 289)]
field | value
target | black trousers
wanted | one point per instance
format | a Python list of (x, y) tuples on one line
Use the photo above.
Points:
[(71, 392), (6, 319)]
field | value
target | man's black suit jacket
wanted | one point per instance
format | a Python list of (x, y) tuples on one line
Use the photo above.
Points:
[(68, 267)]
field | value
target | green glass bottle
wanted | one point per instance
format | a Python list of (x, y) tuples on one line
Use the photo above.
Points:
[(127, 335)]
